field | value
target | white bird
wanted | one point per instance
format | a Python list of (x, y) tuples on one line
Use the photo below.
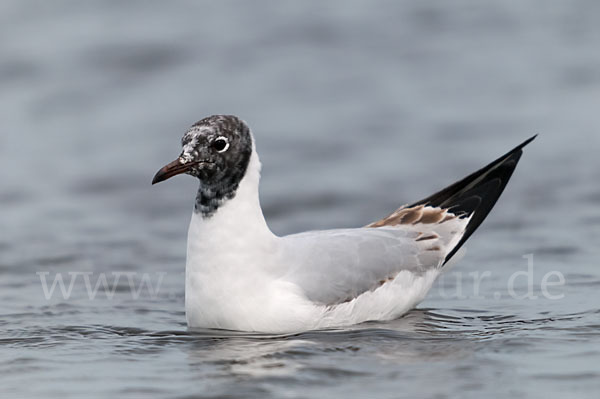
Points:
[(241, 276)]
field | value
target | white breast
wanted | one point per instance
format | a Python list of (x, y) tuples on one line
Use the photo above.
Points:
[(232, 279)]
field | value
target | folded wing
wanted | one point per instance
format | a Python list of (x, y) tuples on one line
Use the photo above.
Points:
[(336, 266)]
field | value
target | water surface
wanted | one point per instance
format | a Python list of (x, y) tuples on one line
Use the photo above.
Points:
[(357, 107)]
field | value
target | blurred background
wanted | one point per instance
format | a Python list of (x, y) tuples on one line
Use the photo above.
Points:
[(357, 107)]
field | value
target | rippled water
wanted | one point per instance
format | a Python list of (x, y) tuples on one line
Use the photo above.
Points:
[(357, 107)]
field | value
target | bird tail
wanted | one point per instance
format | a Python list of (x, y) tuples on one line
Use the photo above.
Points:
[(474, 196)]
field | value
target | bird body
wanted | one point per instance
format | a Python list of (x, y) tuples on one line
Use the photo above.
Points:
[(241, 276)]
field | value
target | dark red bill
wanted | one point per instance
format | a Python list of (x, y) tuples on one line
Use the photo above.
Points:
[(172, 169)]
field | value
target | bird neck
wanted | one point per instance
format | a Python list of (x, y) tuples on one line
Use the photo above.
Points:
[(236, 215)]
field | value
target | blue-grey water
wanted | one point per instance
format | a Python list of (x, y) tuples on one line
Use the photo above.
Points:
[(357, 107)]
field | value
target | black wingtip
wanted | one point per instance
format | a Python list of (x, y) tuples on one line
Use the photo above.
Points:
[(476, 194), (529, 140)]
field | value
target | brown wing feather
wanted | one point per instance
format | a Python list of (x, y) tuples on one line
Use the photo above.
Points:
[(414, 215), (473, 197)]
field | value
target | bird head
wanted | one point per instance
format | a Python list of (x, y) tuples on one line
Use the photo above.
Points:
[(216, 150)]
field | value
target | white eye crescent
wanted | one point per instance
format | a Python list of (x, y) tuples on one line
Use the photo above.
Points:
[(221, 144)]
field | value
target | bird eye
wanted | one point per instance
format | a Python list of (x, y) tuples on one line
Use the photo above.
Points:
[(221, 144)]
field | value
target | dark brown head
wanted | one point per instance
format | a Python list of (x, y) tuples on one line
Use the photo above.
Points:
[(217, 151)]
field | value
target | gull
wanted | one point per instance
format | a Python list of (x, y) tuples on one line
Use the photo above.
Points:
[(241, 276)]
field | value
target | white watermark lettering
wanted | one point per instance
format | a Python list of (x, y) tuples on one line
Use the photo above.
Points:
[(529, 275), (146, 285)]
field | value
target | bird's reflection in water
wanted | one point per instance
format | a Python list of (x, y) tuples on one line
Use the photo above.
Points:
[(418, 336)]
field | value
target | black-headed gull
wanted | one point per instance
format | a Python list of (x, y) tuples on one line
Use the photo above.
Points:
[(241, 276)]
